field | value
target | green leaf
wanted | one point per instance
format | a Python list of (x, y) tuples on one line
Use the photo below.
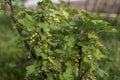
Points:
[(97, 54), (68, 75), (93, 36), (59, 51), (72, 11), (28, 22), (102, 73), (86, 59), (94, 66), (50, 77), (30, 69), (110, 29), (70, 40), (86, 14), (40, 52), (57, 65), (48, 1), (45, 66), (44, 26)]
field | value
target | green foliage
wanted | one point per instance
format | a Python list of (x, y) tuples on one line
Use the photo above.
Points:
[(63, 42), (112, 42), (11, 55)]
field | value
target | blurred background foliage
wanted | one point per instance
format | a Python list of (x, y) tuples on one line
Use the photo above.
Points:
[(112, 42), (12, 54)]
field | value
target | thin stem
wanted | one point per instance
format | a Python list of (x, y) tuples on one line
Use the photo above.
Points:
[(85, 72), (11, 9), (80, 61), (32, 51)]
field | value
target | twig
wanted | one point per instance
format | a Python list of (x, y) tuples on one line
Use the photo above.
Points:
[(80, 61), (11, 8), (86, 71), (32, 51)]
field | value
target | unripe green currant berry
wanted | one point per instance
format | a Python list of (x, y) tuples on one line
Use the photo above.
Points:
[(52, 10), (36, 74), (50, 15), (54, 16), (28, 56), (49, 18), (79, 57), (39, 71), (89, 56), (31, 45), (33, 40), (37, 35), (33, 35), (76, 60)]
